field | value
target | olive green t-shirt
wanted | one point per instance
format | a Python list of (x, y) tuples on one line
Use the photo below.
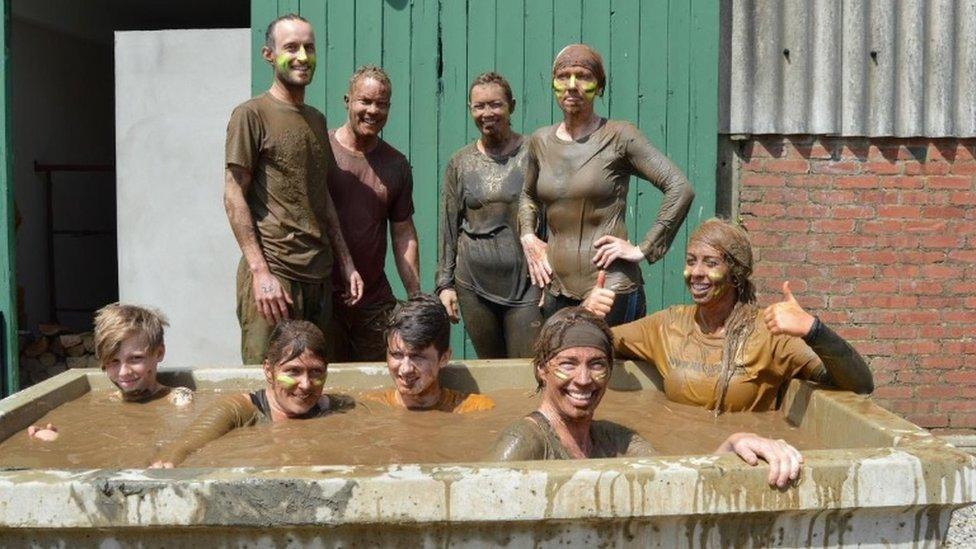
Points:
[(286, 149)]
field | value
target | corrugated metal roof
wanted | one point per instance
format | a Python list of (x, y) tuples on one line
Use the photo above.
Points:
[(849, 67)]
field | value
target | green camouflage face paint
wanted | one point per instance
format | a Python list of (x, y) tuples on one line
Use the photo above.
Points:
[(318, 382), (283, 62), (286, 381), (557, 88), (561, 85), (589, 89), (560, 374)]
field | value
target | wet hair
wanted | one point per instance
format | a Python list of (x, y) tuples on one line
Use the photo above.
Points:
[(370, 71), (291, 338), (732, 241), (553, 334), (492, 77), (421, 321), (117, 322)]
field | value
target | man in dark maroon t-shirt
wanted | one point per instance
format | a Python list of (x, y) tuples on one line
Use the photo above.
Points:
[(371, 185)]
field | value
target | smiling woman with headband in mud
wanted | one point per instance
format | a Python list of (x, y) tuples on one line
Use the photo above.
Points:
[(579, 171), (723, 352), (573, 363), (480, 266), (295, 369)]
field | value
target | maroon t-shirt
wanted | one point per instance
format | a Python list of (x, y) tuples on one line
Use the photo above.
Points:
[(368, 190)]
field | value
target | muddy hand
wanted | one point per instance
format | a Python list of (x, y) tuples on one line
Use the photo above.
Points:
[(448, 298), (600, 300), (535, 255), (610, 248), (787, 316), (784, 460), (271, 299), (45, 434), (354, 289)]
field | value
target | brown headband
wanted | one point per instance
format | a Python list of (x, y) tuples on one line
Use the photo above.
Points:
[(581, 334)]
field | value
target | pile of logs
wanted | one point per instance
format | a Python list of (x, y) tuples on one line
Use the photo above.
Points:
[(55, 350)]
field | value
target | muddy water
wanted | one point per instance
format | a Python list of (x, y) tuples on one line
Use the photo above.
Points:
[(98, 432)]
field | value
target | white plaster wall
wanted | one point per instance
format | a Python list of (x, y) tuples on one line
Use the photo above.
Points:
[(174, 91)]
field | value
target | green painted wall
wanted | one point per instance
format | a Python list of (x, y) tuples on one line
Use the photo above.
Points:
[(661, 57)]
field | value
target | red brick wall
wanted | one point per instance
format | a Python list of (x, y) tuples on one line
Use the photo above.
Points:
[(878, 238)]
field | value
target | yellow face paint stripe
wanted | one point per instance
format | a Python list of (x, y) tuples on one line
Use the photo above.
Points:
[(287, 381)]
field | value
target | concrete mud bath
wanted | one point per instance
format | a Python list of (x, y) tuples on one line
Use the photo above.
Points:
[(883, 481)]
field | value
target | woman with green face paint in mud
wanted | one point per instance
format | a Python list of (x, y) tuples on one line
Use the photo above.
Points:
[(480, 268), (578, 174), (295, 369), (724, 353)]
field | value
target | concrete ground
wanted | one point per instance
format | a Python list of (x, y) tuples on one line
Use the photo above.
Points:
[(962, 528)]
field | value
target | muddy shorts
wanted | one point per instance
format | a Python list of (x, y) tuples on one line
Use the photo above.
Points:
[(359, 332), (310, 301)]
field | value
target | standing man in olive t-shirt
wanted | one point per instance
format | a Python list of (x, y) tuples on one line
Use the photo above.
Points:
[(372, 187), (277, 199)]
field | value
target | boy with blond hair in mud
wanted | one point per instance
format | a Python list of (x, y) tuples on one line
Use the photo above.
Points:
[(129, 346)]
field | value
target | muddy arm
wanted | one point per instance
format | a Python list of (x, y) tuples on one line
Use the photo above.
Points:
[(521, 441), (843, 366), (450, 225), (650, 164), (220, 418)]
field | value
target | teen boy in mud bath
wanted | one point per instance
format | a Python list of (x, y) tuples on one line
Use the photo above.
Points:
[(371, 185), (418, 346), (277, 198)]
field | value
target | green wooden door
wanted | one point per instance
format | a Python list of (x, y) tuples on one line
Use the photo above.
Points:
[(661, 57), (8, 278)]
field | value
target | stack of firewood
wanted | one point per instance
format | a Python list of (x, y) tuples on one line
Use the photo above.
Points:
[(55, 350)]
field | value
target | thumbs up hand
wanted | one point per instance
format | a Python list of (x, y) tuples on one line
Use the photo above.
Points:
[(600, 300), (787, 317)]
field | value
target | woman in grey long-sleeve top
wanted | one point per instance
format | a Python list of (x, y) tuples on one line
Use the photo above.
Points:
[(579, 170), (481, 268)]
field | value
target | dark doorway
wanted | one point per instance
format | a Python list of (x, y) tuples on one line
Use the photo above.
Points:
[(63, 139)]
